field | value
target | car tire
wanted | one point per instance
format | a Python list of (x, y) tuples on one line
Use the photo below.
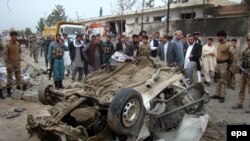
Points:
[(44, 96), (191, 73), (41, 95), (126, 112), (34, 138)]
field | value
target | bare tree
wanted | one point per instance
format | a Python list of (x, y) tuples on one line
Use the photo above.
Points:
[(120, 7)]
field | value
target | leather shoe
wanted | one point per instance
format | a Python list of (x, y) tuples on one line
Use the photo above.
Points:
[(215, 97), (222, 100), (237, 106)]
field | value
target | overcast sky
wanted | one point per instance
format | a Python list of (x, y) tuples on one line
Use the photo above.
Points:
[(25, 13)]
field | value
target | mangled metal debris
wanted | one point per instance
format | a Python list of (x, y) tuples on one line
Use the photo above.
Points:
[(15, 113), (121, 103)]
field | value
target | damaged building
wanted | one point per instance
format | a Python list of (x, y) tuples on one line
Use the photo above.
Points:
[(206, 16)]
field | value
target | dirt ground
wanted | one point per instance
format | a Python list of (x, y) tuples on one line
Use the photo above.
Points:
[(14, 129)]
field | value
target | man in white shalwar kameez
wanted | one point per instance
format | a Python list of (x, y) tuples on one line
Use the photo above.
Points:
[(66, 57), (208, 60)]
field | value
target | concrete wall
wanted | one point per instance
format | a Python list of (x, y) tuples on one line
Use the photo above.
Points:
[(234, 26)]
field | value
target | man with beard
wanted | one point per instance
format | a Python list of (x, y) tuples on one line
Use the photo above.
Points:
[(179, 48), (167, 51), (108, 49), (223, 56), (192, 52), (55, 57), (135, 43), (124, 46), (77, 57)]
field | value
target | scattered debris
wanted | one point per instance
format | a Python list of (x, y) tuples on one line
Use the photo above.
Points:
[(10, 115), (19, 110), (15, 113)]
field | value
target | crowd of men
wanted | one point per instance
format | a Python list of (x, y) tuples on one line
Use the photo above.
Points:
[(83, 56)]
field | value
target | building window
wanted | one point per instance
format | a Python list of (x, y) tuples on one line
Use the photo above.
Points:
[(184, 1), (136, 20), (186, 16), (157, 19), (147, 19), (179, 1)]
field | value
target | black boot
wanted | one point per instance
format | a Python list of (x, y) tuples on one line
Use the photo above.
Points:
[(60, 84), (9, 92), (1, 94), (18, 87), (56, 84)]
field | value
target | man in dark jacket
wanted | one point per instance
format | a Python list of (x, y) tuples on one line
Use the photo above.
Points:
[(135, 43), (192, 52), (167, 51), (108, 49), (196, 37), (155, 44), (124, 46), (77, 57), (94, 54)]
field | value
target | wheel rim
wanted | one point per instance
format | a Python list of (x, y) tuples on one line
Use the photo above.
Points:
[(131, 112)]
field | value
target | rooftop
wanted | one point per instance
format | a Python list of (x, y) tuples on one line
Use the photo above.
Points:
[(190, 3)]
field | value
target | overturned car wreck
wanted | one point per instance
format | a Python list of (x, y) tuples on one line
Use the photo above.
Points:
[(118, 102)]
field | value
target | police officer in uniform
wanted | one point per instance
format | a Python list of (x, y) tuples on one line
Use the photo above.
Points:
[(245, 76), (55, 56), (12, 58), (108, 49)]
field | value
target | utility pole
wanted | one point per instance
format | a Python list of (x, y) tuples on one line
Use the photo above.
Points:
[(168, 15), (143, 2), (204, 18)]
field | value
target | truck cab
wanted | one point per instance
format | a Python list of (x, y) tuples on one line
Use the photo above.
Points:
[(71, 30)]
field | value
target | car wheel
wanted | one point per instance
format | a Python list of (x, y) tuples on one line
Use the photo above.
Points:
[(44, 96), (34, 138), (126, 112), (191, 73), (41, 95)]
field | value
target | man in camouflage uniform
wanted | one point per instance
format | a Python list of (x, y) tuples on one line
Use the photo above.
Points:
[(35, 49), (223, 56), (55, 57), (233, 64), (12, 58), (245, 75), (108, 49)]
